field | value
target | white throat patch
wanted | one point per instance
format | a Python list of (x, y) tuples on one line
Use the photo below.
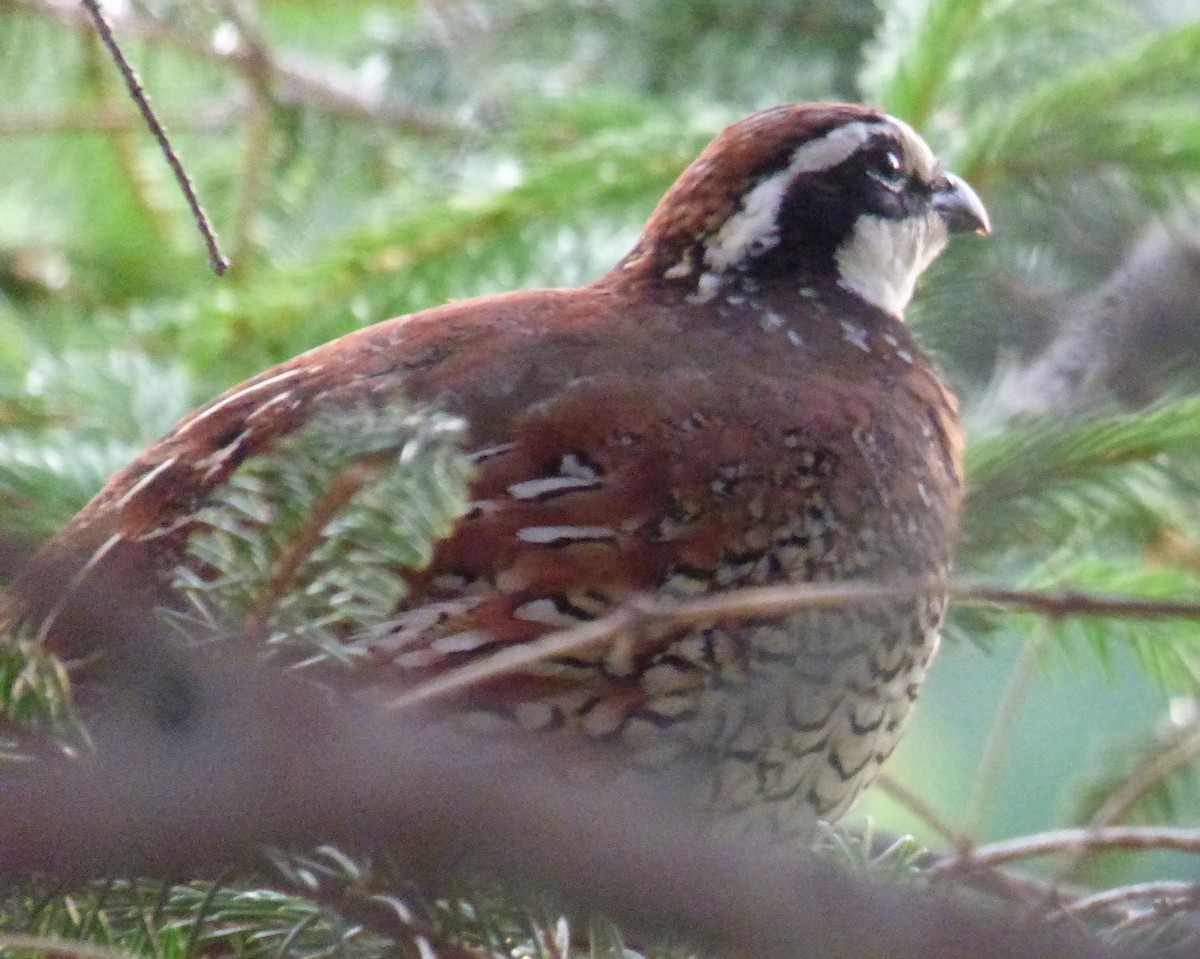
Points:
[(883, 258)]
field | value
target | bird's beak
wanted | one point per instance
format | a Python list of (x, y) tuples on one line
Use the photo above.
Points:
[(960, 206)]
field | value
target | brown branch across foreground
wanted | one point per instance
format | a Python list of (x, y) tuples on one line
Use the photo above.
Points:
[(262, 756), (1058, 605)]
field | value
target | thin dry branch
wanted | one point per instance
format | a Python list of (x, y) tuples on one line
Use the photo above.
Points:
[(102, 118), (65, 948), (915, 804), (137, 92), (1071, 841), (1167, 890), (645, 614), (1183, 751), (295, 81), (1059, 605), (1003, 727)]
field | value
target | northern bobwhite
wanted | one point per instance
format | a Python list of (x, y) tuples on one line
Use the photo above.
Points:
[(737, 402)]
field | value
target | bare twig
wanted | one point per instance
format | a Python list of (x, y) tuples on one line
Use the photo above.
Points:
[(103, 117), (905, 797), (1071, 840), (134, 84), (1183, 751), (1176, 892), (65, 948), (644, 614), (1060, 605)]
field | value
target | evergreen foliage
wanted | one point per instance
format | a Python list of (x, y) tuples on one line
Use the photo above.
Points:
[(304, 542)]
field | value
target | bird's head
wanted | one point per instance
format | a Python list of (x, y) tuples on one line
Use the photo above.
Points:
[(804, 194)]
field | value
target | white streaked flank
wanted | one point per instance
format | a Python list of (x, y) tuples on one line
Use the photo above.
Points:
[(550, 486), (417, 659), (145, 481), (572, 465), (212, 463), (166, 529), (488, 452), (544, 611), (463, 642), (856, 335), (240, 394), (544, 535)]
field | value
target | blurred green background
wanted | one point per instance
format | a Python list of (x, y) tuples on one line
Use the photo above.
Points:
[(363, 160)]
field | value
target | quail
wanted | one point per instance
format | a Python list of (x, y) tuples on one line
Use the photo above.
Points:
[(738, 402)]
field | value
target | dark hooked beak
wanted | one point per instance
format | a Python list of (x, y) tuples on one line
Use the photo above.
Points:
[(960, 206)]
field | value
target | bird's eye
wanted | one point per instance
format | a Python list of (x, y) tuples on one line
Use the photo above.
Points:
[(885, 166)]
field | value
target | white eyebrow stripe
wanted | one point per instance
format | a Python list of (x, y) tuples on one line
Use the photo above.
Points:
[(234, 397), (836, 146), (144, 482)]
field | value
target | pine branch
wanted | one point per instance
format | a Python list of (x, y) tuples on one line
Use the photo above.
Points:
[(324, 89), (1129, 107), (306, 545), (1123, 338), (915, 51)]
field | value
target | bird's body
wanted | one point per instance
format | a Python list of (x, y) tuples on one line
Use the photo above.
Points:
[(737, 403)]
